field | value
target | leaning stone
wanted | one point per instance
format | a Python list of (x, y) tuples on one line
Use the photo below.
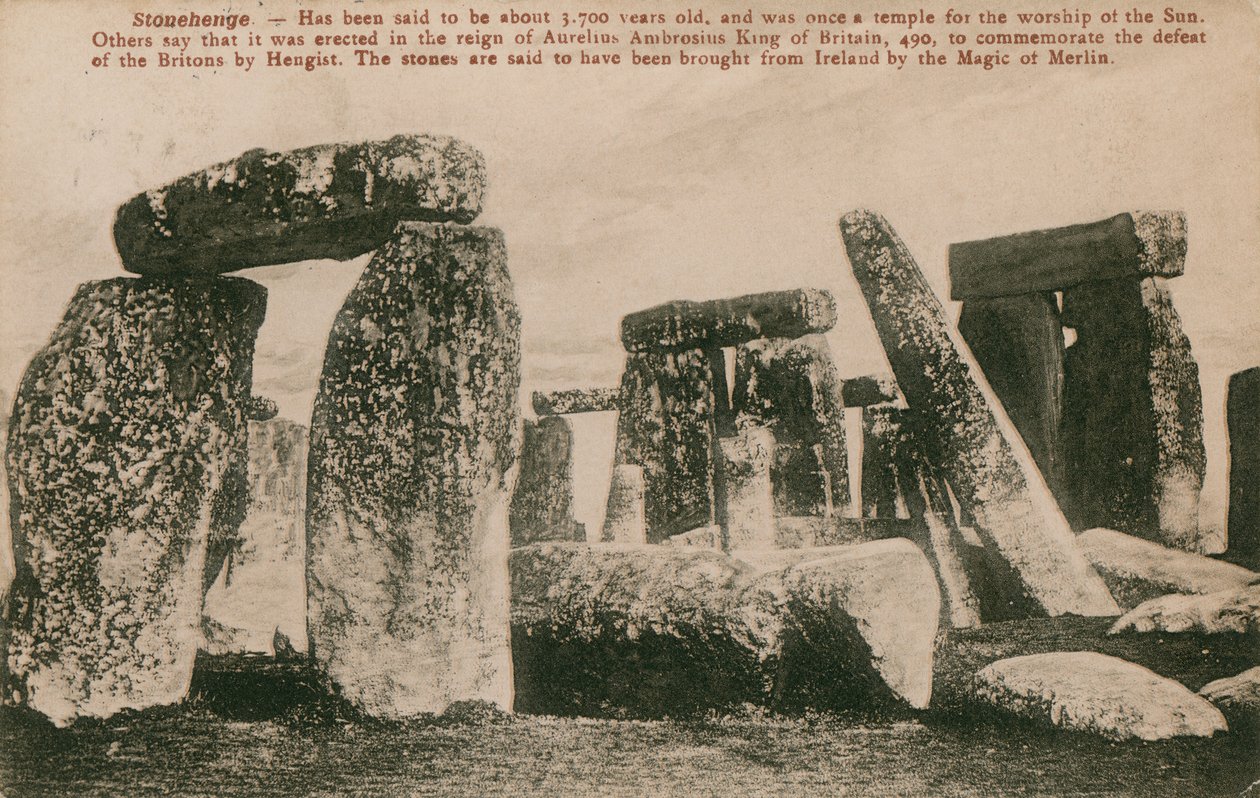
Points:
[(1018, 342), (1091, 692), (746, 506), (414, 437), (330, 201), (1131, 245), (682, 325), (576, 400), (262, 591), (1243, 416), (791, 387), (1138, 570), (624, 517), (1133, 414), (542, 506), (964, 431), (872, 389), (666, 426), (1226, 611), (127, 462), (1239, 693)]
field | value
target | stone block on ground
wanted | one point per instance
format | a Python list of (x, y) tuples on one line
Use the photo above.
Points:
[(705, 537), (684, 325), (1091, 692), (1130, 245), (965, 432), (262, 588), (414, 438), (127, 463), (329, 201), (542, 504), (1234, 611), (1137, 570), (624, 517), (746, 500), (576, 400), (1133, 414), (1239, 693), (1242, 412)]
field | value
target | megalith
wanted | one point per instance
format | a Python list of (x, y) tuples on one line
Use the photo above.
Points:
[(1242, 414), (542, 505)]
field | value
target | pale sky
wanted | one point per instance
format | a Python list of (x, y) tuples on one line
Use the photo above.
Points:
[(621, 188)]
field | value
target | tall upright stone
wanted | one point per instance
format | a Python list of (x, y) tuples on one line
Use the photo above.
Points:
[(746, 498), (1133, 413), (542, 505), (262, 588), (1242, 414), (791, 387), (412, 463), (1018, 342), (625, 519), (884, 438), (965, 432), (127, 469), (666, 427)]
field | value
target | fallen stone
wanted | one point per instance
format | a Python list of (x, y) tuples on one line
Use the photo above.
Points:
[(1133, 414), (542, 505), (1239, 693), (791, 387), (683, 325), (666, 426), (262, 590), (1137, 570), (1138, 244), (873, 389), (127, 463), (624, 518), (577, 400), (1018, 342), (1091, 692), (414, 437), (964, 431), (746, 505), (330, 201), (1243, 418), (1226, 611), (705, 537)]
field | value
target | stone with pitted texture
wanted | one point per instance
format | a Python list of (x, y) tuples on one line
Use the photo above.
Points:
[(682, 325), (542, 505)]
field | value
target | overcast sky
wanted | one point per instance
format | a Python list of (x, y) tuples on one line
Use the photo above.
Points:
[(622, 188)]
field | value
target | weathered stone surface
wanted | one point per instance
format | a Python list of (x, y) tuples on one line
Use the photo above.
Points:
[(964, 431), (791, 387), (261, 409), (1018, 342), (872, 389), (667, 427), (746, 500), (329, 201), (1133, 414), (412, 462), (1137, 570), (1138, 244), (262, 590), (705, 537), (542, 506), (624, 518), (6, 539), (683, 325), (1226, 611), (1092, 692), (884, 442), (1239, 693), (656, 630), (576, 400), (1242, 411), (127, 462)]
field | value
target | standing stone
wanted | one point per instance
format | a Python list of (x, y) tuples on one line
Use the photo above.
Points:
[(624, 519), (666, 426), (964, 432), (413, 442), (330, 201), (127, 469), (746, 509), (1242, 412), (542, 506), (1133, 413), (262, 590), (884, 439), (1018, 342), (791, 387)]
